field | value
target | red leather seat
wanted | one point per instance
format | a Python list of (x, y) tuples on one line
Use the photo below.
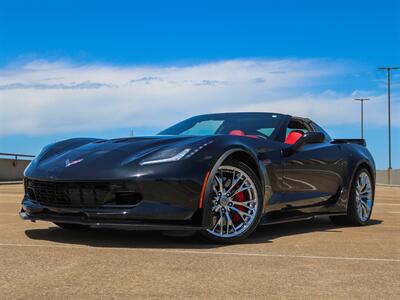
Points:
[(241, 133), (237, 132), (293, 136)]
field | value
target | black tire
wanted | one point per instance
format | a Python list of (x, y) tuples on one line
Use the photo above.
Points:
[(204, 234), (353, 217), (70, 226)]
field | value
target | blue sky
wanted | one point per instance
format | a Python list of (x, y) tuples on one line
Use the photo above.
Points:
[(76, 60)]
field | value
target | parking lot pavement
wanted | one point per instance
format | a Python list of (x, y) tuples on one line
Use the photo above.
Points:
[(312, 259)]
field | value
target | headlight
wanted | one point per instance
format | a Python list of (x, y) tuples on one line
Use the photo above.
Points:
[(165, 156), (170, 155)]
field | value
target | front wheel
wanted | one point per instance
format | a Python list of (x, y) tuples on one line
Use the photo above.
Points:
[(236, 203), (361, 201)]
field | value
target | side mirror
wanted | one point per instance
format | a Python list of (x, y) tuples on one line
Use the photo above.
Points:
[(307, 138)]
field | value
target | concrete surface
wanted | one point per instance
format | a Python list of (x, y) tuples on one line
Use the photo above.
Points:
[(313, 259)]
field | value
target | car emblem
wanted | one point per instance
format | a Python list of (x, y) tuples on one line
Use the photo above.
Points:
[(74, 162)]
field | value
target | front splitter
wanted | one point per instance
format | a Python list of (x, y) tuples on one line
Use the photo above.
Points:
[(137, 225)]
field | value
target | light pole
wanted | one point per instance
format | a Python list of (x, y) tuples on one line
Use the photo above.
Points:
[(388, 69), (362, 114)]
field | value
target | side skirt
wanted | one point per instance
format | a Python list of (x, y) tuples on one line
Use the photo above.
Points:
[(266, 220)]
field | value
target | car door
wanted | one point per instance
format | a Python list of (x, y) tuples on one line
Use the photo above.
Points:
[(313, 175)]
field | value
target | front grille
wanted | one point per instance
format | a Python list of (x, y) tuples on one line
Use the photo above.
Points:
[(82, 194)]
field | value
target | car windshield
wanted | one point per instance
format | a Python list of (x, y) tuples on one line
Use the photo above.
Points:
[(245, 124)]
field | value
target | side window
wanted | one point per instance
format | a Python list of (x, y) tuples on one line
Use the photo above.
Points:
[(320, 129), (295, 125)]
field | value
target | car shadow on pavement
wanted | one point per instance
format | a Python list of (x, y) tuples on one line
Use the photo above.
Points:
[(113, 238)]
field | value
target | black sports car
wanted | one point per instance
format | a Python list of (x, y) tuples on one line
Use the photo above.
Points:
[(219, 174)]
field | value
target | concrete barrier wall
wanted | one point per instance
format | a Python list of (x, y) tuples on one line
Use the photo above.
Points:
[(382, 177), (11, 169)]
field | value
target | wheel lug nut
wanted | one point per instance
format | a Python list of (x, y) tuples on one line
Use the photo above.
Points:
[(230, 203)]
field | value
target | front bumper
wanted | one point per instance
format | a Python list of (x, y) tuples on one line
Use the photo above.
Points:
[(169, 197)]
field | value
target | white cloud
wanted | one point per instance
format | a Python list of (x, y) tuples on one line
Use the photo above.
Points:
[(43, 97)]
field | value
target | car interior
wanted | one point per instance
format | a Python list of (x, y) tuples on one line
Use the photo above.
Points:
[(294, 132)]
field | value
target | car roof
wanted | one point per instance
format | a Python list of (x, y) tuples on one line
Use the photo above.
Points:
[(245, 113), (304, 119)]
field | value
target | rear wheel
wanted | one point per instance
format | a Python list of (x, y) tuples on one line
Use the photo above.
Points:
[(236, 203), (361, 201), (69, 226)]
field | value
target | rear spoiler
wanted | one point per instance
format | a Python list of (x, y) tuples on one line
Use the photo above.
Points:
[(350, 141)]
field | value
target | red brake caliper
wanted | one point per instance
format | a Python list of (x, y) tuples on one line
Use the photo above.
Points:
[(239, 197)]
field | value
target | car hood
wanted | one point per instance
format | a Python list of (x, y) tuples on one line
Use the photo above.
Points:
[(70, 158)]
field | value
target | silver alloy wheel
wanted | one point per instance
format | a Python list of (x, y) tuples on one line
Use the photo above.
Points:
[(232, 217), (363, 196)]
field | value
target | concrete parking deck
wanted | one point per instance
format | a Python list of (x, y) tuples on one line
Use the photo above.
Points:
[(313, 259)]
